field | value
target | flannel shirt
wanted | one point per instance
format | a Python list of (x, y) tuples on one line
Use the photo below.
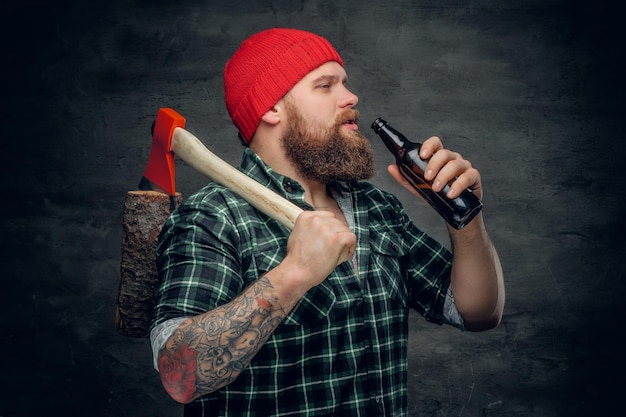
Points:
[(342, 351)]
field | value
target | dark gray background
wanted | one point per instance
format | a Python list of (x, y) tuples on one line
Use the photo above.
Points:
[(530, 91)]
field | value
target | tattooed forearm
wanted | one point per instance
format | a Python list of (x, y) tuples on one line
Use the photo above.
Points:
[(209, 351)]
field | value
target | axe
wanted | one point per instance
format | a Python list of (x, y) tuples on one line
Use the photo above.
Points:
[(145, 212), (170, 138), (138, 275)]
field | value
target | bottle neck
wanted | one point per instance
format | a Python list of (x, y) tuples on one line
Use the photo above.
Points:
[(393, 139)]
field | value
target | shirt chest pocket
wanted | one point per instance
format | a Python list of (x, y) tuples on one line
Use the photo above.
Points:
[(316, 304), (313, 309), (387, 251)]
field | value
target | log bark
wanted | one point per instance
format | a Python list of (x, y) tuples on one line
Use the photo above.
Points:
[(144, 214)]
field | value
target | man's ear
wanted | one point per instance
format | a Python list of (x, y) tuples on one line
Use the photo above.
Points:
[(272, 116)]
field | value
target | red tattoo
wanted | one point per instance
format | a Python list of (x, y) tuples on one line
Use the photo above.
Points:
[(263, 303), (178, 372)]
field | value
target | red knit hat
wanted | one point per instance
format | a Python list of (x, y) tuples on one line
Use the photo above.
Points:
[(265, 67)]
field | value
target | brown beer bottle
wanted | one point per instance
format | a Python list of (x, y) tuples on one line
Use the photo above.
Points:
[(457, 211)]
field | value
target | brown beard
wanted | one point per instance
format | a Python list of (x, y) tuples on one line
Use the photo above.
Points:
[(327, 155)]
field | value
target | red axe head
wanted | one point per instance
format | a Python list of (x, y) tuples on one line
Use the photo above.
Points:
[(159, 173)]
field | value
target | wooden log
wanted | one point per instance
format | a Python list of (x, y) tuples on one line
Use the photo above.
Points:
[(144, 214)]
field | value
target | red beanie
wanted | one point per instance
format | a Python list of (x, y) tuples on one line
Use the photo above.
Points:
[(265, 67)]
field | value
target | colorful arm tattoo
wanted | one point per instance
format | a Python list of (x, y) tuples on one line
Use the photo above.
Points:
[(209, 351)]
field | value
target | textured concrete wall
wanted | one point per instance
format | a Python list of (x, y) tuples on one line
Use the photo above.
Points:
[(530, 91)]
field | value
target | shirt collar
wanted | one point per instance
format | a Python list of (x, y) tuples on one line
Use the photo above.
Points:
[(253, 166)]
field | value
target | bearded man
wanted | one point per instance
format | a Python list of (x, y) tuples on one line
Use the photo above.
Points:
[(254, 320)]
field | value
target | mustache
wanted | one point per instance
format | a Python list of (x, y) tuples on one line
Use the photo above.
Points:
[(348, 115)]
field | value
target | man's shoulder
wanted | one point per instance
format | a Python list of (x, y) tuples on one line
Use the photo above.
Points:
[(213, 203), (212, 194)]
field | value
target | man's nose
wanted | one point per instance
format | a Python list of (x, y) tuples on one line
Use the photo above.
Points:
[(348, 99)]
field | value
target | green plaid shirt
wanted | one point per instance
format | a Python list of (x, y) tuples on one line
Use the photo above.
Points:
[(342, 351)]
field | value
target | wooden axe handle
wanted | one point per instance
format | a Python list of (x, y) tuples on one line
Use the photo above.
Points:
[(191, 150)]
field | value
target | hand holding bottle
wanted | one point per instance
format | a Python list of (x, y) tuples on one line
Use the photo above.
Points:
[(439, 176), (446, 167)]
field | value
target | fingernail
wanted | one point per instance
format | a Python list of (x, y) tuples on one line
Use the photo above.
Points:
[(429, 174), (451, 193)]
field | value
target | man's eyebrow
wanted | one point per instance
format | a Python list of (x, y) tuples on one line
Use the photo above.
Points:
[(329, 78)]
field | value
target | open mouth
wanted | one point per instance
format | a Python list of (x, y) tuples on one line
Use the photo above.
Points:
[(351, 120), (352, 123)]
